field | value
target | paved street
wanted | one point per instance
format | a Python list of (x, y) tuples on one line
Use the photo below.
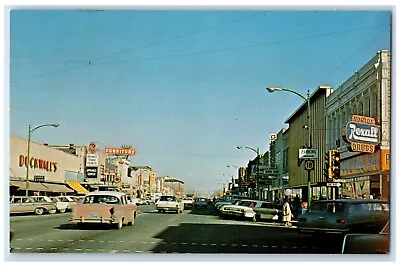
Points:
[(194, 231)]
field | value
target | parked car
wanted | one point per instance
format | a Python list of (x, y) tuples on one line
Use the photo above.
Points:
[(220, 204), (61, 204), (266, 211), (104, 207), (169, 203), (200, 203), (344, 216), (39, 206), (70, 200), (147, 201), (243, 209), (367, 243)]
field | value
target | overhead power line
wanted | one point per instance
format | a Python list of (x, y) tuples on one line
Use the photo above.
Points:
[(238, 47)]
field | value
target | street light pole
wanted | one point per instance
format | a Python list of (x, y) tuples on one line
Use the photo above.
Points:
[(258, 166), (28, 154), (239, 179), (308, 128)]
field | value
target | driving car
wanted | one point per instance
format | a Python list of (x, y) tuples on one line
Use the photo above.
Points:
[(188, 202), (367, 243), (104, 207), (343, 216), (169, 203), (200, 203), (21, 204)]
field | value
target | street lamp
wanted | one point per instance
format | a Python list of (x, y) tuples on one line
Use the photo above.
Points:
[(257, 151), (29, 144), (239, 178), (307, 127)]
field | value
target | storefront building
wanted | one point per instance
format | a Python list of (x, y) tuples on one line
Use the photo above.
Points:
[(51, 171), (298, 138), (364, 99)]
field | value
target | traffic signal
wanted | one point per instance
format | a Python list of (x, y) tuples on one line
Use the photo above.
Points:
[(102, 171), (336, 164), (327, 165)]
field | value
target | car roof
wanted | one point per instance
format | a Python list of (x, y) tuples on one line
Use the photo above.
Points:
[(106, 193)]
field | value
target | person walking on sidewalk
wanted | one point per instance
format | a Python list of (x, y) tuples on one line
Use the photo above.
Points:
[(287, 212)]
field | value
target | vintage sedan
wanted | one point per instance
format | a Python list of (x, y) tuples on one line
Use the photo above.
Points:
[(104, 207), (344, 216), (368, 243), (169, 203), (39, 206), (243, 209)]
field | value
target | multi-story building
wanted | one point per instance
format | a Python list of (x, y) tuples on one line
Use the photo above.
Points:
[(280, 181), (366, 93), (173, 186), (298, 138)]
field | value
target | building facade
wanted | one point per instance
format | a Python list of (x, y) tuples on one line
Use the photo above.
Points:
[(51, 170), (366, 93), (298, 138)]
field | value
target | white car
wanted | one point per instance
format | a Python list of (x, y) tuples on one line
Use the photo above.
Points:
[(64, 203), (169, 203), (252, 209), (188, 202)]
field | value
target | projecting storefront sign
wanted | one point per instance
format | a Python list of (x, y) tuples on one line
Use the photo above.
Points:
[(362, 134), (310, 153), (92, 160), (91, 172), (121, 151)]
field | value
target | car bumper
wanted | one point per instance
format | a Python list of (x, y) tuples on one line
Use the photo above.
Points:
[(168, 208), (314, 230), (93, 220)]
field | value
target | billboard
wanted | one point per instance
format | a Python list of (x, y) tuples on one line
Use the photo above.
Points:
[(120, 151)]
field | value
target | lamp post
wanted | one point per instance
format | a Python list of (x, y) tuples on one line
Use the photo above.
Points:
[(257, 151), (233, 181), (307, 127), (29, 144)]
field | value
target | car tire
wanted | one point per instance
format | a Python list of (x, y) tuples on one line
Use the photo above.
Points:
[(52, 211), (63, 210), (119, 224), (256, 218), (79, 225), (131, 223), (39, 211)]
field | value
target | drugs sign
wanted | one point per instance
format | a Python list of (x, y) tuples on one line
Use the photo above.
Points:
[(362, 137)]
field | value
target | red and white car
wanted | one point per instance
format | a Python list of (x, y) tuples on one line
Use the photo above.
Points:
[(104, 207)]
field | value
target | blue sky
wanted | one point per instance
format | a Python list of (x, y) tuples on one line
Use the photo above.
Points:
[(182, 87)]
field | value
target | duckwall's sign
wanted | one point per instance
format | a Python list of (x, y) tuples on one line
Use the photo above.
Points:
[(362, 134)]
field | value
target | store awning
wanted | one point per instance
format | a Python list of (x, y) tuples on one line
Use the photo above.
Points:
[(59, 188), (77, 187), (33, 186)]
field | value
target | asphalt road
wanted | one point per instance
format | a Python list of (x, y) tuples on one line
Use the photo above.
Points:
[(194, 231)]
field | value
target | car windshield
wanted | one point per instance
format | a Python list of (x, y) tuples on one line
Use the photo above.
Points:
[(167, 198), (328, 207), (101, 199)]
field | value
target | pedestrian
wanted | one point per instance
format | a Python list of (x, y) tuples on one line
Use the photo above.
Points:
[(287, 213), (296, 207)]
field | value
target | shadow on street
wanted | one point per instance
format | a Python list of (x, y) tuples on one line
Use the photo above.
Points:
[(223, 238)]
